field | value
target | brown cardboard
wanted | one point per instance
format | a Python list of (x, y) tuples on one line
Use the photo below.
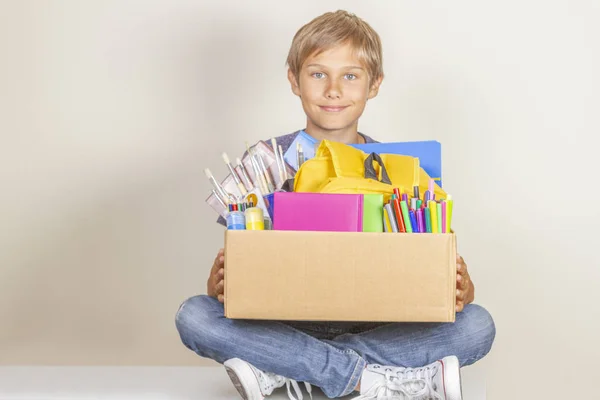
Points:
[(340, 276)]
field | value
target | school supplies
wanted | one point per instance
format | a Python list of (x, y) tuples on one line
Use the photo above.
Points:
[(244, 174), (299, 154), (234, 174), (224, 197), (318, 212), (416, 215), (255, 219), (236, 220), (339, 168), (373, 213), (308, 144), (428, 152)]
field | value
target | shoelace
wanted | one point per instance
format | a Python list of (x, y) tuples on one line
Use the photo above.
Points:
[(294, 384), (407, 384), (289, 384)]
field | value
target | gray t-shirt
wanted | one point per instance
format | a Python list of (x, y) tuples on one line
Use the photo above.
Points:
[(285, 141)]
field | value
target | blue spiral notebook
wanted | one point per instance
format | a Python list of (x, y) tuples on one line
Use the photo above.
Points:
[(429, 153)]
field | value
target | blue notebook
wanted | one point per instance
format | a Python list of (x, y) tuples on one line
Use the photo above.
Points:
[(429, 153)]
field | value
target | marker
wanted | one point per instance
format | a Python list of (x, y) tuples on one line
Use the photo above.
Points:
[(234, 174), (432, 189), (406, 216), (439, 217), (413, 203), (449, 213), (416, 192), (405, 197), (427, 212), (433, 207), (398, 211), (386, 220), (419, 203), (390, 213), (224, 196), (427, 196), (397, 192), (245, 177), (421, 221), (413, 221), (444, 217)]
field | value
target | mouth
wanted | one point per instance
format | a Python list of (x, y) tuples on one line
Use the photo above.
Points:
[(333, 108)]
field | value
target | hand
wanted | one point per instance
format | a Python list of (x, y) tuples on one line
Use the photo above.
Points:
[(215, 286), (465, 290)]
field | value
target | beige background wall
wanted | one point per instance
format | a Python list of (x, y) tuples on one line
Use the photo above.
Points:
[(110, 111)]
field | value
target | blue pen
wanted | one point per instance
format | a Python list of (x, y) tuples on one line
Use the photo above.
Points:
[(413, 221)]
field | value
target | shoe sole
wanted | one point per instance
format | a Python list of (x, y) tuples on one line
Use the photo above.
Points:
[(238, 372), (452, 374)]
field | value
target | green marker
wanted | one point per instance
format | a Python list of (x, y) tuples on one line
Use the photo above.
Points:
[(419, 202), (427, 219), (406, 217)]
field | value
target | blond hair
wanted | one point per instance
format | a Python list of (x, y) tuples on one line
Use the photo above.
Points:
[(334, 29)]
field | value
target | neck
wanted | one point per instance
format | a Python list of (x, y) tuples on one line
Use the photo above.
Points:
[(348, 135)]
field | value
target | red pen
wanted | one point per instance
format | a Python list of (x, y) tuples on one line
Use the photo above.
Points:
[(401, 227)]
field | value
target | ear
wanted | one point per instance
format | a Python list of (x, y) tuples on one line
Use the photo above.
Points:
[(294, 83), (375, 87)]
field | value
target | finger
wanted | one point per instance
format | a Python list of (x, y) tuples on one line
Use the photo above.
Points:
[(459, 306), (220, 274), (460, 295), (221, 298), (221, 252), (220, 288)]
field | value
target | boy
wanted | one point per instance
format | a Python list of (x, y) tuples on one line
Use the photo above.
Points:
[(335, 67)]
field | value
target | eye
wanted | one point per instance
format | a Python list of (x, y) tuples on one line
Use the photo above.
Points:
[(318, 75), (350, 77)]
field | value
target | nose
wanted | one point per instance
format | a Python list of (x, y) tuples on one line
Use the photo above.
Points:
[(334, 90)]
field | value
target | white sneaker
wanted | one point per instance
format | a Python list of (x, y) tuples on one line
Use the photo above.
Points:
[(439, 380), (254, 384)]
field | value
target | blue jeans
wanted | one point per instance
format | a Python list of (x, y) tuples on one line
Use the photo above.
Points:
[(331, 355)]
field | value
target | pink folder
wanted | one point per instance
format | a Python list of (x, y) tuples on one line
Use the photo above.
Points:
[(318, 212)]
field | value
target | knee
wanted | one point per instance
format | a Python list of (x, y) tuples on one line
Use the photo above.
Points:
[(481, 329), (195, 316)]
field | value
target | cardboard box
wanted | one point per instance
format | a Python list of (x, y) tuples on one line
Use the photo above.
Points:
[(340, 276)]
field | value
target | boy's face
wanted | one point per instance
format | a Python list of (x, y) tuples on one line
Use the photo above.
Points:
[(334, 88)]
